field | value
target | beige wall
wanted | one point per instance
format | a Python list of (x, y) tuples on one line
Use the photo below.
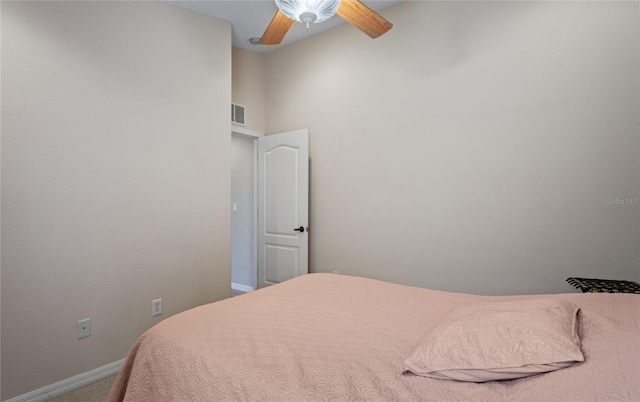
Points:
[(474, 146), (249, 86), (115, 178)]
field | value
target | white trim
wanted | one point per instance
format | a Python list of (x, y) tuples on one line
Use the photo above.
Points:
[(70, 384), (246, 132), (241, 288)]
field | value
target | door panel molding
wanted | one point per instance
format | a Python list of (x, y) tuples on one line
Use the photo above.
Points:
[(283, 202)]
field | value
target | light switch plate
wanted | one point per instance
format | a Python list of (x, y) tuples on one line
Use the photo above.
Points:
[(84, 328)]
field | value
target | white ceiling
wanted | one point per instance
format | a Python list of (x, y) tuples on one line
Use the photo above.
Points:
[(250, 18)]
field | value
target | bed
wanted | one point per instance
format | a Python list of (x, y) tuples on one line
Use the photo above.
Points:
[(335, 338)]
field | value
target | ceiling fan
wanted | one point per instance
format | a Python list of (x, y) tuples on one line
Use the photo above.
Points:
[(309, 11)]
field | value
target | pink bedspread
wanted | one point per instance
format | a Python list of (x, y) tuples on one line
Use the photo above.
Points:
[(333, 337)]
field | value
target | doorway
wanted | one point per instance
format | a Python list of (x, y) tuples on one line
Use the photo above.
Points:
[(243, 212), (282, 202)]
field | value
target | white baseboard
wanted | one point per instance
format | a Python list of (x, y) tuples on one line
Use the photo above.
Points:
[(70, 384), (241, 288)]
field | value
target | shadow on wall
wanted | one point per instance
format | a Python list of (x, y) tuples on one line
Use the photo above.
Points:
[(451, 39)]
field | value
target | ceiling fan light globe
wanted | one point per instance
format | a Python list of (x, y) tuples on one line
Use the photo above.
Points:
[(299, 9)]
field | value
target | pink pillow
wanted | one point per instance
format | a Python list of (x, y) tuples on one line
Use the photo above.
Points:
[(500, 341)]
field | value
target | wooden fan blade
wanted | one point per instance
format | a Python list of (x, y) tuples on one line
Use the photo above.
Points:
[(276, 30), (363, 18)]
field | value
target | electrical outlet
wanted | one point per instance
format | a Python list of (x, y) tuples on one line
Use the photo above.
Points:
[(84, 328), (156, 307)]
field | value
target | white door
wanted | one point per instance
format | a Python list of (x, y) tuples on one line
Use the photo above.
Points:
[(283, 199)]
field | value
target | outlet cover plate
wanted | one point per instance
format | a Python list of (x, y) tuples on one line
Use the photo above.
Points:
[(156, 307)]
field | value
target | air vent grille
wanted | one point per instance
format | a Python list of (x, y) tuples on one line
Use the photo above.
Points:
[(238, 114)]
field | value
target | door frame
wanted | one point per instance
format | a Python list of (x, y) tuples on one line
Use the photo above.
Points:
[(243, 132)]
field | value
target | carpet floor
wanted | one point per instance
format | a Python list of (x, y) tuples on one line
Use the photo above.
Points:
[(96, 392)]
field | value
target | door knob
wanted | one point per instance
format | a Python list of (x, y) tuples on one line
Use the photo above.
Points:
[(300, 229)]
